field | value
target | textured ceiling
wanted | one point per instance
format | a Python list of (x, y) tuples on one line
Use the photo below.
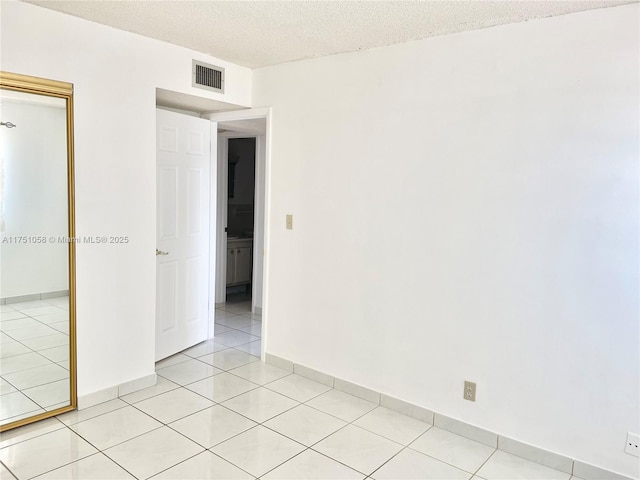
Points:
[(261, 33)]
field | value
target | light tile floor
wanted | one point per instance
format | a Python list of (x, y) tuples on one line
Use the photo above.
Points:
[(217, 412), (34, 364)]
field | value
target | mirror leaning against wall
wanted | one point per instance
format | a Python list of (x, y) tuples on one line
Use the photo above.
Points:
[(37, 254)]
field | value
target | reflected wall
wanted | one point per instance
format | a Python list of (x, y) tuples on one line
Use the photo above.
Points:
[(37, 314)]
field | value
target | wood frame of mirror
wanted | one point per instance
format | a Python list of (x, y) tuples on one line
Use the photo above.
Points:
[(64, 90)]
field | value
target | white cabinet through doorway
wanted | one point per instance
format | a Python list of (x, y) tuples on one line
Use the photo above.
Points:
[(239, 261)]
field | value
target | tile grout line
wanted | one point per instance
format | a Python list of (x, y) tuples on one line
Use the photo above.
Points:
[(162, 425), (262, 424), (101, 452), (310, 447), (404, 447), (8, 470), (450, 464), (22, 416), (23, 392), (33, 386), (352, 423), (147, 398), (31, 350), (394, 456), (573, 461), (199, 444), (62, 425), (267, 427), (298, 403), (280, 464), (264, 385), (216, 404), (73, 432), (95, 416)]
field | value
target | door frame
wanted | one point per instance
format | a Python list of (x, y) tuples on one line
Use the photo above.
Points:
[(213, 171), (261, 207)]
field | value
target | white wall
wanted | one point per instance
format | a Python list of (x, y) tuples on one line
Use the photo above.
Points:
[(33, 191), (466, 207), (115, 75)]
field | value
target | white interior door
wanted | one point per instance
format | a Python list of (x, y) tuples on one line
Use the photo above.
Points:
[(183, 229)]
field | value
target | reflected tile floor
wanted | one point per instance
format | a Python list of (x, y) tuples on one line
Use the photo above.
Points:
[(34, 369), (217, 415)]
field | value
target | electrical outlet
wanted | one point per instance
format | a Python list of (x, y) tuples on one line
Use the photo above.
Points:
[(469, 391), (632, 447), (289, 222)]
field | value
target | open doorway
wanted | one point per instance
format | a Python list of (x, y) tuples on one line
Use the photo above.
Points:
[(234, 327), (240, 219), (240, 211), (241, 162)]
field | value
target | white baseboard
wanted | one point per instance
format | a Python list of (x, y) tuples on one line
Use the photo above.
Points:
[(535, 454), (94, 398), (34, 296), (137, 384), (111, 393)]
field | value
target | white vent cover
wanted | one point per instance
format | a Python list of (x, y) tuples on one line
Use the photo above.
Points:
[(208, 76)]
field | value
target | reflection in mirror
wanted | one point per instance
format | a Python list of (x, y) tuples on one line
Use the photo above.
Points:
[(37, 378)]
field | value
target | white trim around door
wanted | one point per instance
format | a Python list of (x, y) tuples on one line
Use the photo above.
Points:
[(261, 208)]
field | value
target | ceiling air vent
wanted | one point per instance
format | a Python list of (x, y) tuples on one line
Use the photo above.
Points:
[(208, 76)]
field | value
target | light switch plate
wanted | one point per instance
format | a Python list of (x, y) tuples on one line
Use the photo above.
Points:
[(289, 222)]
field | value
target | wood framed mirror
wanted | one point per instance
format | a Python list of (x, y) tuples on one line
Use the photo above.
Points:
[(37, 250)]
